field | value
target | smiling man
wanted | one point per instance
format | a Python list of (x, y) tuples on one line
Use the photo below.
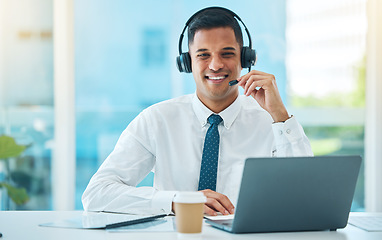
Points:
[(199, 142)]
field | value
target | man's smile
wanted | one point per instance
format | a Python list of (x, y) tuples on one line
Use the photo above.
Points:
[(216, 79)]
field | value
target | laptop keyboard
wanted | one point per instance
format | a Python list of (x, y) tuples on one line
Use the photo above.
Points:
[(369, 223)]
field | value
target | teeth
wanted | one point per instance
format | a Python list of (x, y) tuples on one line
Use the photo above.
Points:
[(216, 78)]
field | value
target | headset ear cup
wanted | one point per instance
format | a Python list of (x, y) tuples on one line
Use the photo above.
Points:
[(183, 62), (179, 64), (248, 57), (187, 62)]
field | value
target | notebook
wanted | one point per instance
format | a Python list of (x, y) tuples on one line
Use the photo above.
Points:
[(103, 220), (294, 194)]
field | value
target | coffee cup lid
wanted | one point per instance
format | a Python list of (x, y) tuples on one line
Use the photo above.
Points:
[(190, 197)]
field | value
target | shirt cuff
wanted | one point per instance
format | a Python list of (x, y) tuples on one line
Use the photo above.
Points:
[(162, 201), (287, 132)]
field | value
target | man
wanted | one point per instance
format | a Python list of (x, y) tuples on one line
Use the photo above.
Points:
[(189, 151)]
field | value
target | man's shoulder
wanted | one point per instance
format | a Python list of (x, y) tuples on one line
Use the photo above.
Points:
[(173, 102), (177, 104)]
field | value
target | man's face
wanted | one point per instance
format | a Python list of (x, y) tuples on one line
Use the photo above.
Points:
[(215, 57)]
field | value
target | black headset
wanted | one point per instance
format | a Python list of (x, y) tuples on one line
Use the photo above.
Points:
[(248, 55)]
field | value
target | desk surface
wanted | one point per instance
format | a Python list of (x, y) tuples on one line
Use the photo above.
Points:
[(24, 225)]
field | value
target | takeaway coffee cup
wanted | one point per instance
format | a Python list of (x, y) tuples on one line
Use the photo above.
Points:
[(189, 211)]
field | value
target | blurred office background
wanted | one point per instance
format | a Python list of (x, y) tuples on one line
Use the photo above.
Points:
[(122, 58)]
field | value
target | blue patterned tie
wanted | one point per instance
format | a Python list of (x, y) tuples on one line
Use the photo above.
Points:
[(209, 166)]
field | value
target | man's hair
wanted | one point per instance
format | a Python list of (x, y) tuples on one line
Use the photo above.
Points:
[(214, 18)]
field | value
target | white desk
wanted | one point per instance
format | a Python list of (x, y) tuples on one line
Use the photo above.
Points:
[(19, 225)]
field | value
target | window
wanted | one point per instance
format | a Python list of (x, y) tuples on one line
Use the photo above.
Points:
[(326, 43), (26, 98)]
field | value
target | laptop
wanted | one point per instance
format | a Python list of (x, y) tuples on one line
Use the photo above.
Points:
[(294, 194)]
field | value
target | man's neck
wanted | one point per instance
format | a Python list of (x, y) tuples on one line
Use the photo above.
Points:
[(218, 105)]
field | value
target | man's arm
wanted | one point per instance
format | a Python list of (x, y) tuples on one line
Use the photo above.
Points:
[(290, 139), (113, 189)]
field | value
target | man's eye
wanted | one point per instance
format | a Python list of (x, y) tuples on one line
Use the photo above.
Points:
[(228, 54), (203, 55)]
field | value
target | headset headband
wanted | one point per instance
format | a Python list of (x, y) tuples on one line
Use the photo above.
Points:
[(221, 8)]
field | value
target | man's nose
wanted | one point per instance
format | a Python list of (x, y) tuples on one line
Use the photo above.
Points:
[(216, 63)]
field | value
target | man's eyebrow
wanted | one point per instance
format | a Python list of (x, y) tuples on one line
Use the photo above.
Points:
[(229, 48), (202, 50), (225, 49)]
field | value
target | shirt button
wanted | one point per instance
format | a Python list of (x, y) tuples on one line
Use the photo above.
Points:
[(288, 131), (281, 132)]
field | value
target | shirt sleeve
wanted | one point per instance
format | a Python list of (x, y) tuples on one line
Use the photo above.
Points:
[(290, 139), (113, 186)]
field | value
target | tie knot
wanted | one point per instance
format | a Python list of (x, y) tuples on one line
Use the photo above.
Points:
[(214, 119)]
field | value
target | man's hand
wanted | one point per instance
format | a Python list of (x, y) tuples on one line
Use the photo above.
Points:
[(217, 202), (262, 87)]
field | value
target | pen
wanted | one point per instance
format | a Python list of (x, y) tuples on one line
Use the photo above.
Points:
[(233, 82)]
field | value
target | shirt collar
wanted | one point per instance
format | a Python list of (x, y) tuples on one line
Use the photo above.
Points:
[(228, 115)]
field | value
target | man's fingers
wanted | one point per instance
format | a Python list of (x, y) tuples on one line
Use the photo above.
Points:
[(254, 73), (217, 206), (255, 86), (209, 211), (218, 202), (221, 198), (251, 82)]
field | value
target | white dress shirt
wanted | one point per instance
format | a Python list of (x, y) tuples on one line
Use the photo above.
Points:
[(168, 138)]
